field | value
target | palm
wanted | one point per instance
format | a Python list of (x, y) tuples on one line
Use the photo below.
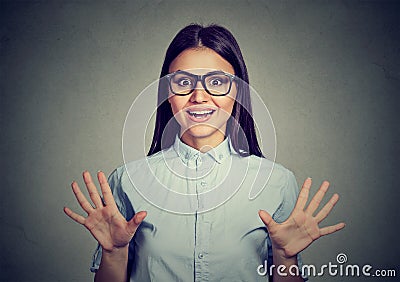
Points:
[(104, 221), (109, 227), (301, 228)]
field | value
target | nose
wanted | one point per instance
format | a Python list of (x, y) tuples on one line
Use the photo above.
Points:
[(199, 95)]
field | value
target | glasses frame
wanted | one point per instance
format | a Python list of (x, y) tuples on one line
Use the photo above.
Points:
[(201, 78)]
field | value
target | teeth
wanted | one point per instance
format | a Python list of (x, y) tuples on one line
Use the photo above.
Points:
[(200, 112)]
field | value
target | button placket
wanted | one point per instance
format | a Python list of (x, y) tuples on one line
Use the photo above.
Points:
[(201, 249), (192, 161), (202, 226)]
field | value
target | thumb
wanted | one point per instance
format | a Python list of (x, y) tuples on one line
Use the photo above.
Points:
[(266, 218), (134, 223)]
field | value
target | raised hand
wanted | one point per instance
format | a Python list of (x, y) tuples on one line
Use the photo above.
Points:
[(104, 221), (301, 228)]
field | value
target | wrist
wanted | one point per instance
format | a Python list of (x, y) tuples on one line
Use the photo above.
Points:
[(120, 253), (283, 267), (113, 265), (282, 257)]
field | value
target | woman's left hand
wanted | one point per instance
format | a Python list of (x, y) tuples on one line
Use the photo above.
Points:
[(301, 228)]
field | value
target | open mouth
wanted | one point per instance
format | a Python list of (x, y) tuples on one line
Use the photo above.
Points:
[(200, 115)]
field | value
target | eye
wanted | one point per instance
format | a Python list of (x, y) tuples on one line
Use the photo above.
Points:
[(215, 82), (184, 82)]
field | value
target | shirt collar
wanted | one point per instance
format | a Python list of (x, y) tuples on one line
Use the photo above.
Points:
[(219, 153)]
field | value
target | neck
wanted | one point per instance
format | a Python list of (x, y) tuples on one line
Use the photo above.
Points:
[(203, 144)]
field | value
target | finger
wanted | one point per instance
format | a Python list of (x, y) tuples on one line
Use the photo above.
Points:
[(331, 229), (323, 213), (316, 200), (267, 219), (93, 193), (105, 189), (134, 223), (76, 217), (86, 206), (303, 195)]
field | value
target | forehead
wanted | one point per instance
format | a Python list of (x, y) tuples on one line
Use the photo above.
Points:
[(203, 59)]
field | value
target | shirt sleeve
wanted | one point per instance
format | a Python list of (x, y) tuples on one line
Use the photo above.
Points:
[(289, 195), (125, 208)]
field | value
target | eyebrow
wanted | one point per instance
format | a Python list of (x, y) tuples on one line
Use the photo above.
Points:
[(179, 70)]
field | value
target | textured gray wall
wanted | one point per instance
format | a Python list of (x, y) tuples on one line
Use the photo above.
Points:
[(329, 72)]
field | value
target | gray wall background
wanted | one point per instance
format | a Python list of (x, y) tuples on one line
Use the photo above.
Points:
[(328, 71)]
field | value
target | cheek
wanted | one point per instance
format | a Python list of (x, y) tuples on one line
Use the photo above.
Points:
[(230, 107), (230, 99), (225, 104), (177, 103)]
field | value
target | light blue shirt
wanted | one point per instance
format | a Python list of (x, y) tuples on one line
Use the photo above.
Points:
[(191, 232)]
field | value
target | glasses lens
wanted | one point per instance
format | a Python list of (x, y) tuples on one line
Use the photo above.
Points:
[(218, 84), (182, 83)]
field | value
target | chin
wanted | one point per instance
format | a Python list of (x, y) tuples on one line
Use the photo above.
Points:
[(204, 131)]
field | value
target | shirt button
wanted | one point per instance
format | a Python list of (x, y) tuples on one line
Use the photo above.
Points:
[(221, 157), (203, 183), (200, 256), (191, 164)]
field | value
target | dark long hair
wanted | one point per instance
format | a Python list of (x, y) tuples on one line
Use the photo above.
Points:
[(240, 127)]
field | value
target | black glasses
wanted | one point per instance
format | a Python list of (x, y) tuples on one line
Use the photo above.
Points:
[(216, 83)]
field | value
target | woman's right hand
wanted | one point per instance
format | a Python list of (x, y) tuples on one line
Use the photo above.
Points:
[(104, 221)]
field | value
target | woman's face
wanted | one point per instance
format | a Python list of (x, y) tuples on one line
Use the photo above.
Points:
[(200, 114)]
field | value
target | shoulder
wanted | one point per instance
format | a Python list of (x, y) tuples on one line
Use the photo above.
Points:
[(283, 182), (277, 174), (271, 182), (140, 168)]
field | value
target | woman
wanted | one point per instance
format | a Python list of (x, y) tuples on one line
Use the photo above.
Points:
[(204, 126)]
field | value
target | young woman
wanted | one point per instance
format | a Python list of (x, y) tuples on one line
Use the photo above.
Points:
[(203, 139)]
